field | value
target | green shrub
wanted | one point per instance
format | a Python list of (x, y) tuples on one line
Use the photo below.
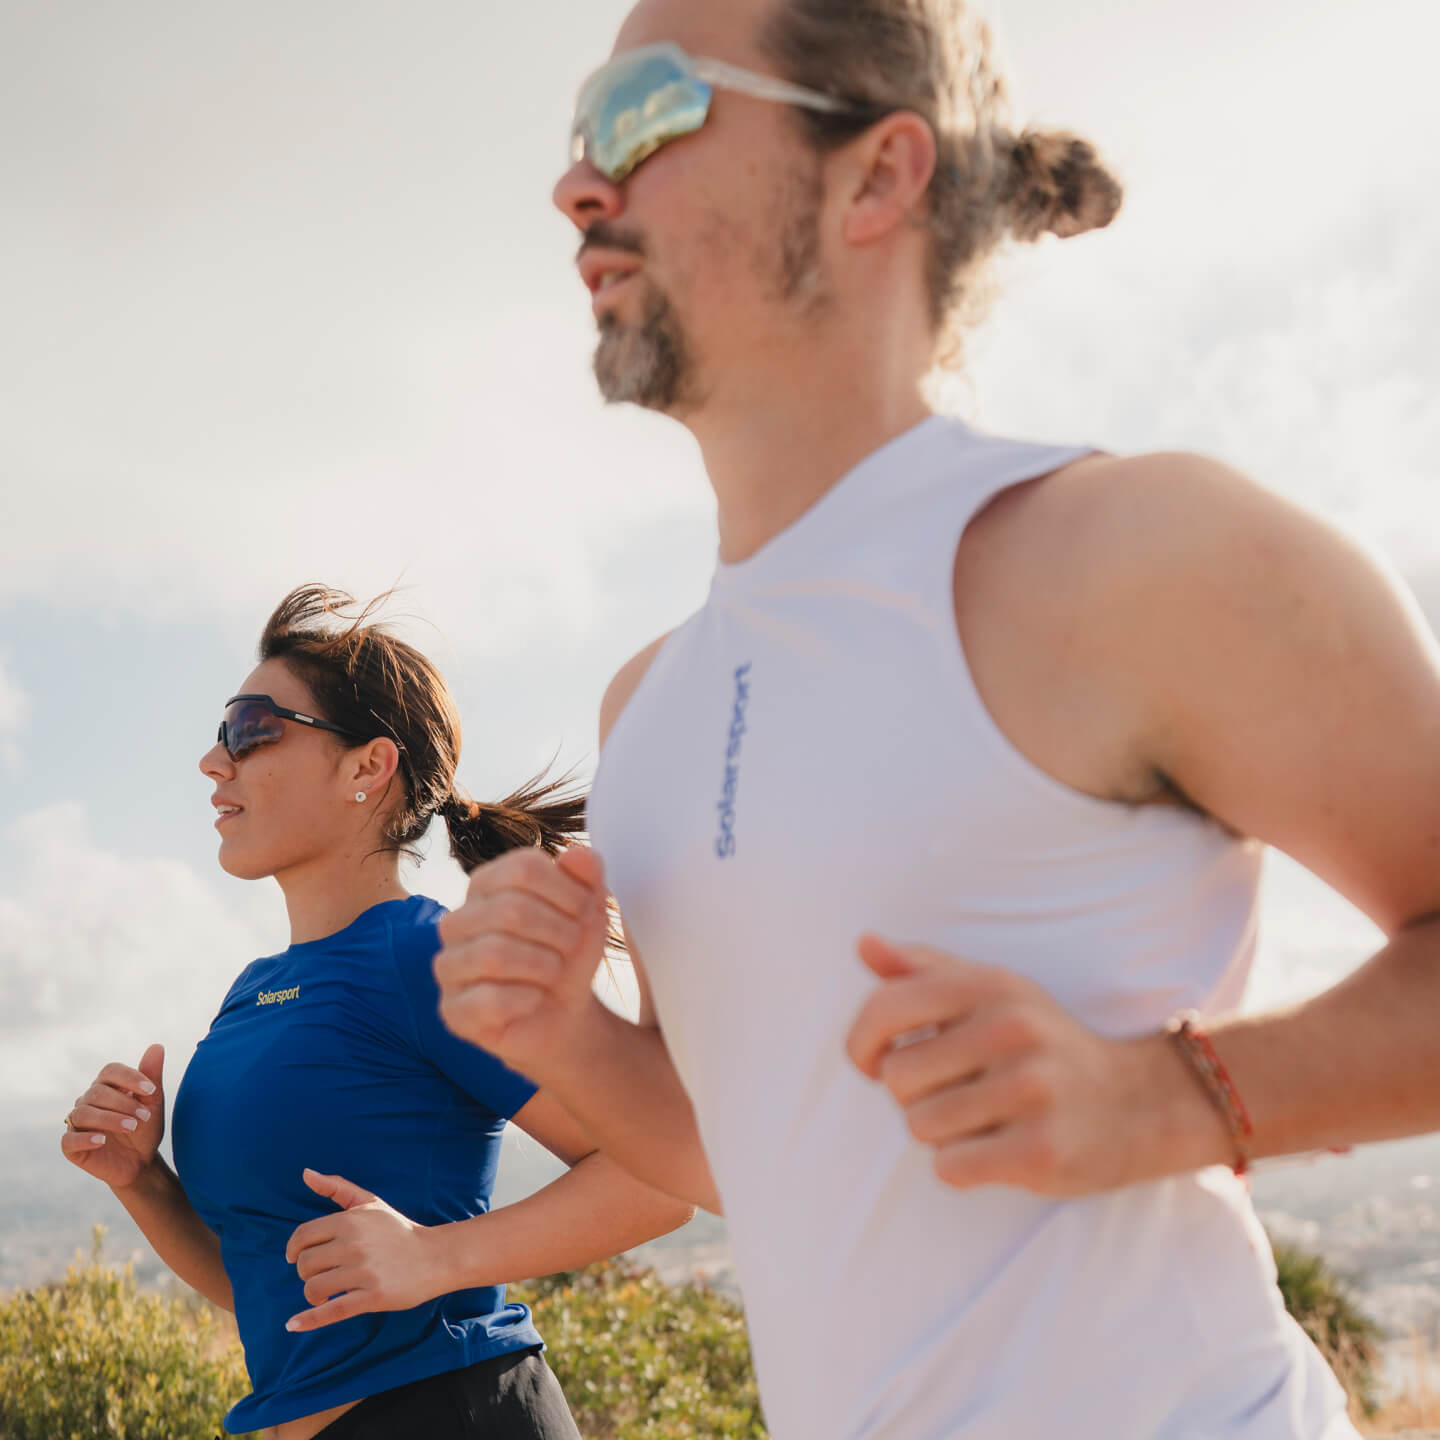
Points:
[(94, 1358), (1342, 1332), (641, 1360)]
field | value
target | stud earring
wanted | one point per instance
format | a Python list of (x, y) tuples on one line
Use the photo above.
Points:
[(360, 797)]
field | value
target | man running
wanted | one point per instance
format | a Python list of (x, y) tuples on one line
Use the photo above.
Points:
[(933, 824)]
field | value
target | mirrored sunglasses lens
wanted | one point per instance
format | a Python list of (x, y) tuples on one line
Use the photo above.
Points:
[(627, 114), (247, 726)]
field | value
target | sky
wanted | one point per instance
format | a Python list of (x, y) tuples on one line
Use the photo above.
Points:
[(284, 299)]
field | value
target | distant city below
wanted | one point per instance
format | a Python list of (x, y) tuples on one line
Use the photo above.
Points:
[(1374, 1215)]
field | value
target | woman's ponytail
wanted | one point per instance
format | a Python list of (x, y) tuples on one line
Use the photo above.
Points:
[(373, 685), (540, 813), (547, 815)]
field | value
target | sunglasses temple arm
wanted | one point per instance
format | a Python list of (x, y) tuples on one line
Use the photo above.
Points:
[(766, 87)]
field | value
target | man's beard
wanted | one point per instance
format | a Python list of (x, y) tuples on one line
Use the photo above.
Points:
[(652, 364), (647, 364), (802, 282)]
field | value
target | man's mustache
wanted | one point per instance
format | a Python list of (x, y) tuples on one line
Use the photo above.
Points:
[(602, 235)]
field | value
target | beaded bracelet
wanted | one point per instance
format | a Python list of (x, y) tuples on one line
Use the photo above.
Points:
[(1194, 1044)]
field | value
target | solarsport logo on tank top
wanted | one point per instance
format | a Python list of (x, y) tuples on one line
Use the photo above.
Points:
[(725, 840)]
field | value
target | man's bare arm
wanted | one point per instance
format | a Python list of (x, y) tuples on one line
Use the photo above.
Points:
[(622, 1086), (516, 976), (1289, 688), (1297, 699)]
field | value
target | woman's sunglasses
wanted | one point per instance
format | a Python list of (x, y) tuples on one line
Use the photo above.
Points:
[(251, 721), (645, 98)]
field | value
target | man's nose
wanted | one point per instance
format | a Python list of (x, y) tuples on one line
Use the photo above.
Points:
[(583, 195)]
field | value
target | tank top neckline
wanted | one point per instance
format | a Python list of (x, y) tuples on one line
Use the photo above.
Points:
[(898, 453)]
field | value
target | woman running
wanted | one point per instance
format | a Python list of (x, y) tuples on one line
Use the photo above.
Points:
[(336, 1146)]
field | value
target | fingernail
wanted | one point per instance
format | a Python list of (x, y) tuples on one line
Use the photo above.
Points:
[(129, 1123), (97, 1139), (142, 1113), (292, 1325), (146, 1087)]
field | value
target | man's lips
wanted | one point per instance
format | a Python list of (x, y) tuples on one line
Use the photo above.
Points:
[(603, 270)]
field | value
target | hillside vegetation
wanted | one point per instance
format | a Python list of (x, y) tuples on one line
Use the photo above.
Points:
[(93, 1357)]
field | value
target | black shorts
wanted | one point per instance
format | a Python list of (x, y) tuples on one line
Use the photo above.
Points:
[(512, 1397)]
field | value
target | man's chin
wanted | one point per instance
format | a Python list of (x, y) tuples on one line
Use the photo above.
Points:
[(646, 363), (629, 373)]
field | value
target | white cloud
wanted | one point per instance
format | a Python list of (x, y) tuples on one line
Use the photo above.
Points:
[(328, 359), (320, 337), (1268, 294), (1425, 580), (1305, 371), (472, 492), (14, 711), (101, 954), (1310, 937)]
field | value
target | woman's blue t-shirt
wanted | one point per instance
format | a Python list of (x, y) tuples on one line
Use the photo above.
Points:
[(333, 1056)]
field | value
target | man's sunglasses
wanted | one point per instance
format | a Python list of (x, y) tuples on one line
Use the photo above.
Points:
[(251, 721), (645, 98)]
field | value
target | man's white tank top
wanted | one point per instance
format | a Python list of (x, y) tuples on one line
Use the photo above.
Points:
[(808, 759)]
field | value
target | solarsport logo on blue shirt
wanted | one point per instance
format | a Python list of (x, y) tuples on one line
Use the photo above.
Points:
[(725, 840), (277, 997)]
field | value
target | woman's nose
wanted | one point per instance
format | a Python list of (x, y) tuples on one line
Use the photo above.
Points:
[(216, 764)]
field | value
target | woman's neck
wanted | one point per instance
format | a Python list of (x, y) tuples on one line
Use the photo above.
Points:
[(325, 896)]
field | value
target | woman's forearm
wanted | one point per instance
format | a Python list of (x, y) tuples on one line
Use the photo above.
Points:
[(593, 1211), (158, 1205)]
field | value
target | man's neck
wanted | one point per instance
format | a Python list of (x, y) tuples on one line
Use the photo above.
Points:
[(772, 451)]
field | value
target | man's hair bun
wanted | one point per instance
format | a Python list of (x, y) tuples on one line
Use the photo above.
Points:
[(1059, 186)]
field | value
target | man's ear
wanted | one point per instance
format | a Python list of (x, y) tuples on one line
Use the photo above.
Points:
[(890, 169)]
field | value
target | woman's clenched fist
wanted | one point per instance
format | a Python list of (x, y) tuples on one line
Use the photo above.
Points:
[(116, 1126)]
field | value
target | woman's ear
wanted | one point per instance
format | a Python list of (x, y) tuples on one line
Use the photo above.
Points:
[(891, 166), (372, 766)]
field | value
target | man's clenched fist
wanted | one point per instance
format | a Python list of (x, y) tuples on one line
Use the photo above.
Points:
[(519, 957)]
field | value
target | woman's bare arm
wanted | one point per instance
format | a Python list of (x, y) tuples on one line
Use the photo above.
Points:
[(115, 1131)]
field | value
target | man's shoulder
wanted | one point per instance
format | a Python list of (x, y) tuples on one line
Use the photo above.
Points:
[(1099, 489), (627, 680), (1107, 519), (1082, 599)]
